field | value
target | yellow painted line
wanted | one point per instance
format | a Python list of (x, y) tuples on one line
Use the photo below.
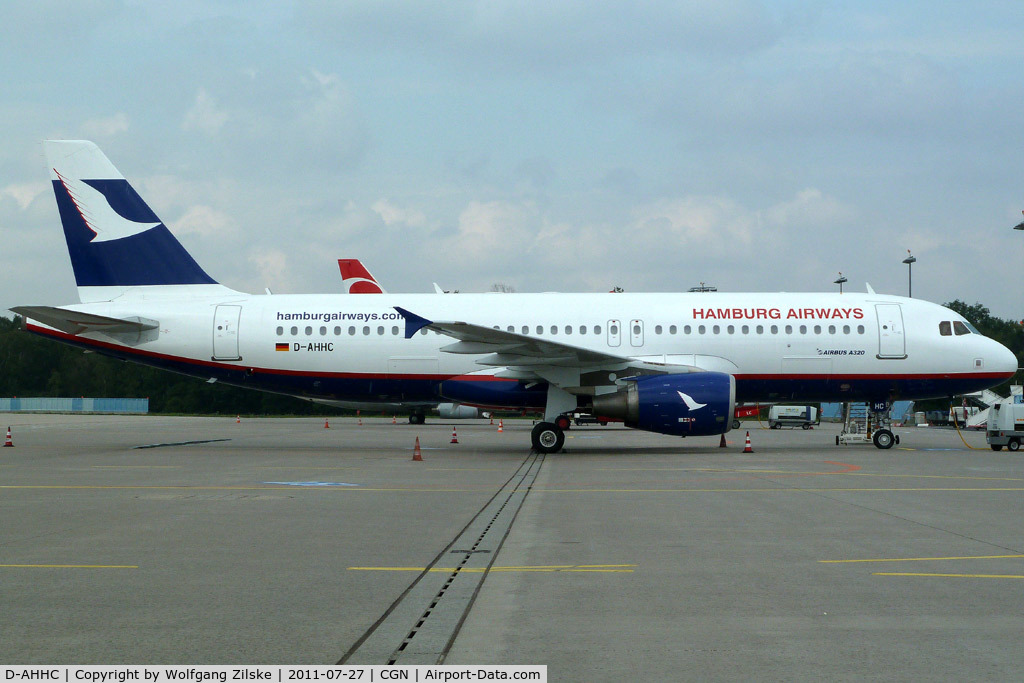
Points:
[(241, 488), (956, 576), (776, 490), (70, 566), (931, 476), (924, 559), (302, 467), (613, 568), (766, 489), (137, 467), (819, 472)]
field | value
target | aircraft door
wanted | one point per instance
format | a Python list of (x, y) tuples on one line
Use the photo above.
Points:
[(225, 333), (891, 341), (636, 332), (614, 333)]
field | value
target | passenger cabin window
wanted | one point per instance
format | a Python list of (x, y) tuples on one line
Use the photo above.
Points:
[(597, 329), (959, 328), (945, 328), (280, 331)]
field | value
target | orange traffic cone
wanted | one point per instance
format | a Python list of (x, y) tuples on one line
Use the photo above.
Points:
[(747, 448), (721, 444), (455, 439), (8, 443), (492, 421), (360, 423), (394, 419), (501, 426), (238, 420), (416, 455), (327, 425)]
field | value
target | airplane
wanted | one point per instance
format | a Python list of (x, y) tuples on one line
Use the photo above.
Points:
[(669, 363)]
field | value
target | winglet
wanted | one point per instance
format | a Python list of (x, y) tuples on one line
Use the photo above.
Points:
[(413, 322)]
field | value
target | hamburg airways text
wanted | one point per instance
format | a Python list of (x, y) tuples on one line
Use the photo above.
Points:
[(776, 314), (338, 315)]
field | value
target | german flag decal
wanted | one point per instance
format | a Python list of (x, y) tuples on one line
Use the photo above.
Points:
[(281, 346)]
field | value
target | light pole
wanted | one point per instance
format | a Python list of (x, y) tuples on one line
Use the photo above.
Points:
[(910, 274), (840, 282)]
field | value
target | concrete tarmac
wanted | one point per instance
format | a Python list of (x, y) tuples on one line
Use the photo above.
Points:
[(629, 556)]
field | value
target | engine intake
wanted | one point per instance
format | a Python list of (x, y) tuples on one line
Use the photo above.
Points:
[(694, 404)]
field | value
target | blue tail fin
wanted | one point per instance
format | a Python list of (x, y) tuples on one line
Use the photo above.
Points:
[(114, 239)]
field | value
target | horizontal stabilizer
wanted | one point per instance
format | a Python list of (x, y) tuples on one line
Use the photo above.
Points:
[(126, 330)]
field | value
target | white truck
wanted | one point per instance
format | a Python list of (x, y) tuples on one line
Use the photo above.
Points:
[(1006, 424), (792, 416)]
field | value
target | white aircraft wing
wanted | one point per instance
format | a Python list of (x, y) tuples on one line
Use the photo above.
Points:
[(499, 348)]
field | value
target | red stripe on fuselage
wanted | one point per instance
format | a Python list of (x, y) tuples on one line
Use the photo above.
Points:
[(127, 351)]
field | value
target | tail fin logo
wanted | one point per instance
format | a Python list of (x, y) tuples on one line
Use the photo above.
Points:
[(356, 279), (96, 210)]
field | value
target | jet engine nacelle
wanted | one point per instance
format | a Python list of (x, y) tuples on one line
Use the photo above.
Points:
[(450, 411), (694, 404)]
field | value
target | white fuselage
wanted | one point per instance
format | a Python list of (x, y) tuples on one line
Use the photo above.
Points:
[(778, 346)]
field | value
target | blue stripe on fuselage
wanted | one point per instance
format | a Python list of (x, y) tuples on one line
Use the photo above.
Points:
[(426, 388)]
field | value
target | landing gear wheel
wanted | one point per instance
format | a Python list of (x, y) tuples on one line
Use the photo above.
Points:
[(1013, 444), (547, 438), (563, 422), (735, 424), (417, 419), (883, 439)]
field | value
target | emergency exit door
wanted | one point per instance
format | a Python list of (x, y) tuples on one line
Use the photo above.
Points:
[(225, 332)]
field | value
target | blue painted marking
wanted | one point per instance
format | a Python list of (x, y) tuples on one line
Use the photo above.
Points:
[(310, 483), (153, 257), (413, 322)]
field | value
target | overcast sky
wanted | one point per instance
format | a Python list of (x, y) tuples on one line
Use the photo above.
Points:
[(570, 146)]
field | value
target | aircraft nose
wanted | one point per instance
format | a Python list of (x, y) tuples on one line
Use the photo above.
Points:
[(1003, 359)]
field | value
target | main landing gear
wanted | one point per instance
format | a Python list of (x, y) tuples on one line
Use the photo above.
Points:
[(417, 418), (547, 438)]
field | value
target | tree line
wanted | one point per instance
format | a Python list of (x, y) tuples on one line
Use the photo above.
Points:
[(31, 365), (34, 366)]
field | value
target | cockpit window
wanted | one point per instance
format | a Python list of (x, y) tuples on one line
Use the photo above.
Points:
[(944, 328), (959, 328)]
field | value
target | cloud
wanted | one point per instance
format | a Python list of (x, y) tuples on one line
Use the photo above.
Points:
[(393, 215), (541, 38), (206, 222), (204, 115), (24, 193), (106, 127)]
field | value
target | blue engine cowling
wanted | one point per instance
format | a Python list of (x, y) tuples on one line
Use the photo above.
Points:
[(694, 404)]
